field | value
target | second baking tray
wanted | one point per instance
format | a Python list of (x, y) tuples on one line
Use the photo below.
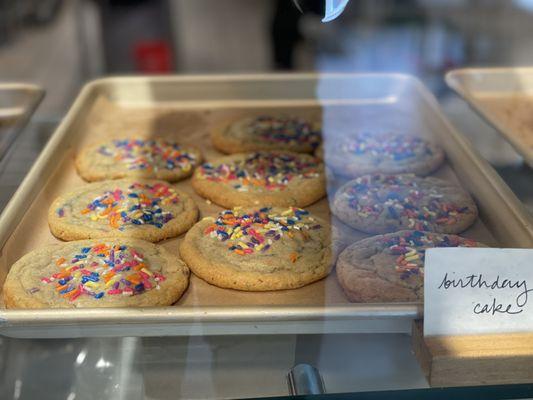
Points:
[(187, 108), (503, 97)]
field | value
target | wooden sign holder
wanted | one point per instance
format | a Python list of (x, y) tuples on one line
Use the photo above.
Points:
[(475, 359)]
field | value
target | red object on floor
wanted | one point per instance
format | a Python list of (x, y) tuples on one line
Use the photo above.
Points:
[(153, 57)]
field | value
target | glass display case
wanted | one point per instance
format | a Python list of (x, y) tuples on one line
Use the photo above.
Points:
[(234, 199)]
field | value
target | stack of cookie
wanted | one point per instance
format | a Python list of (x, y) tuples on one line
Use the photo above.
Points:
[(110, 223), (264, 240), (261, 241), (389, 194)]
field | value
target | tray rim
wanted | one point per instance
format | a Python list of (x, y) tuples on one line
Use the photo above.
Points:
[(56, 318), (452, 79), (21, 84), (190, 314), (254, 76)]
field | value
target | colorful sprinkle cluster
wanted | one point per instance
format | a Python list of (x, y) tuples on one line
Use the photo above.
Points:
[(411, 247), (102, 269), (157, 154), (140, 204), (393, 147), (401, 197), (271, 171), (285, 130), (255, 232)]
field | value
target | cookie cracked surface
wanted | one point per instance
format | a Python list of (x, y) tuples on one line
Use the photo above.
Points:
[(137, 158), (388, 203), (382, 152), (144, 209), (259, 249), (261, 178), (267, 132), (96, 273), (390, 268)]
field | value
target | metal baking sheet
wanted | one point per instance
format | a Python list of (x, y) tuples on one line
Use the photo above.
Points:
[(18, 101), (187, 108), (504, 98)]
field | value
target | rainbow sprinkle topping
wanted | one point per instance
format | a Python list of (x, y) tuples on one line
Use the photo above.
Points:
[(155, 154), (401, 197), (285, 130), (255, 232), (270, 171), (411, 246), (103, 270), (140, 204), (387, 146)]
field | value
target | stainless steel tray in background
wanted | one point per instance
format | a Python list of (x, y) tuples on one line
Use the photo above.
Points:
[(504, 98), (188, 107), (18, 102)]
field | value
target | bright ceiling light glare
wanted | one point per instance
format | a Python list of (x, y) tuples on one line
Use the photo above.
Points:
[(102, 364), (81, 357)]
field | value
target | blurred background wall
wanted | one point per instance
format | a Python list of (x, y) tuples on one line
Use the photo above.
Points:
[(62, 43)]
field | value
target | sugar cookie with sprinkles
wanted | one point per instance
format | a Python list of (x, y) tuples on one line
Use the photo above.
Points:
[(137, 158), (115, 272), (267, 132), (388, 203), (261, 178), (259, 249), (145, 209), (382, 152), (390, 268)]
